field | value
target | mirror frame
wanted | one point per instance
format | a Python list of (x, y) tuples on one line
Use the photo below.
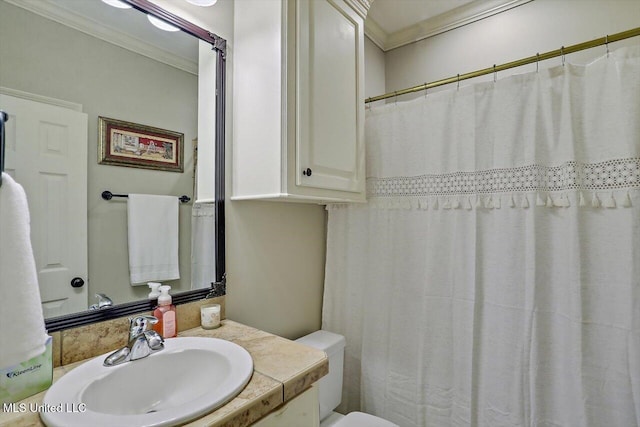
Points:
[(218, 288)]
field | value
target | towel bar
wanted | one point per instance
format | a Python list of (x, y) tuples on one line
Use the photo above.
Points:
[(108, 195)]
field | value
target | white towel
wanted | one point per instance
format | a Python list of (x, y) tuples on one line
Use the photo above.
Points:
[(153, 238), (22, 331)]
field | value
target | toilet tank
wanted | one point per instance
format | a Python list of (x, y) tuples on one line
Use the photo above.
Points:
[(330, 386)]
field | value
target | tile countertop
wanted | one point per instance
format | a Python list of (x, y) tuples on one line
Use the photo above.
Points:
[(282, 369)]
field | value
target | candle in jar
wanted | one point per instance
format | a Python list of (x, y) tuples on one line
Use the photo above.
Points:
[(210, 316)]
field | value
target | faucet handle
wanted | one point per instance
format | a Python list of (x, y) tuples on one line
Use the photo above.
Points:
[(138, 325), (154, 340)]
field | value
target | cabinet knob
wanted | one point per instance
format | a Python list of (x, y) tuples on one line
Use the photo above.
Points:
[(307, 172), (77, 282)]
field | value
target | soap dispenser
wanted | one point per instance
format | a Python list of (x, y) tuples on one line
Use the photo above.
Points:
[(167, 325), (154, 291)]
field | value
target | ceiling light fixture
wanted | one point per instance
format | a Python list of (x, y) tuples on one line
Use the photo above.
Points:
[(203, 3), (117, 3), (159, 23)]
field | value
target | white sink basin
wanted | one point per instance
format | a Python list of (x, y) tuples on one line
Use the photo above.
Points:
[(189, 378)]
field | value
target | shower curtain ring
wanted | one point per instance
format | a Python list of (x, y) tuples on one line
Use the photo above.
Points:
[(458, 84), (537, 62), (495, 73), (562, 54), (426, 89), (606, 43), (395, 94)]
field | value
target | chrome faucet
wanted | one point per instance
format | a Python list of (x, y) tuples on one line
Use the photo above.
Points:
[(103, 302), (141, 342)]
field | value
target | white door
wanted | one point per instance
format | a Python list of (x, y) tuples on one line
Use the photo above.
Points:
[(46, 152)]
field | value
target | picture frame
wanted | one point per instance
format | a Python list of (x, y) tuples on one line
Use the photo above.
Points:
[(122, 143)]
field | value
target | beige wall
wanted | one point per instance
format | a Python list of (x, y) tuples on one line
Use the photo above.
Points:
[(374, 69), (275, 251), (43, 57), (538, 26)]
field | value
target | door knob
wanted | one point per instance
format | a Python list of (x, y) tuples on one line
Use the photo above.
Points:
[(307, 172), (77, 282)]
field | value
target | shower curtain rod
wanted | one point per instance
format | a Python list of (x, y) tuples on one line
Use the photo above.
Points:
[(530, 60)]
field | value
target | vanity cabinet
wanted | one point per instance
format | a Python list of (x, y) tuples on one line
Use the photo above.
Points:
[(298, 103)]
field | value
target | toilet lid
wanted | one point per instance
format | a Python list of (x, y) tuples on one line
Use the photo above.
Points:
[(360, 419)]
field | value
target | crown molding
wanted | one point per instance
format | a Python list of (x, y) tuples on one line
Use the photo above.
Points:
[(376, 34), (40, 98), (103, 32), (456, 18), (360, 6)]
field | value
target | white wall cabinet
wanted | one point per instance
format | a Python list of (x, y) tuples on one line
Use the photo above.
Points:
[(298, 103), (301, 411)]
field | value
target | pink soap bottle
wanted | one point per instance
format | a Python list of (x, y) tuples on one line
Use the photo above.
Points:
[(167, 325)]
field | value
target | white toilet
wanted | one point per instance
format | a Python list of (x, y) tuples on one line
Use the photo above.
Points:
[(330, 387)]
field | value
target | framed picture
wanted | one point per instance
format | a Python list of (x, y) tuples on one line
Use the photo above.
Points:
[(128, 144)]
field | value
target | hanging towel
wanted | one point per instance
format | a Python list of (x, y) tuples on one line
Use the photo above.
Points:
[(22, 331), (153, 238)]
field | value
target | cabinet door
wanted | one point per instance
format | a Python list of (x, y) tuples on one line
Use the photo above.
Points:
[(302, 411), (330, 106)]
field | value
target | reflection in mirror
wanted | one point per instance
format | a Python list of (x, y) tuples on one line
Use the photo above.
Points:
[(68, 63)]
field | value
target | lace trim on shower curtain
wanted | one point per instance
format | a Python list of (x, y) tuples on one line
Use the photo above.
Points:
[(603, 184)]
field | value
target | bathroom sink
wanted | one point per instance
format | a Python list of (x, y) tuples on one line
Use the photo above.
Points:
[(189, 378)]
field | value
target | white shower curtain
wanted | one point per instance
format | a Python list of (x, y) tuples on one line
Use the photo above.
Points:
[(493, 279), (203, 253)]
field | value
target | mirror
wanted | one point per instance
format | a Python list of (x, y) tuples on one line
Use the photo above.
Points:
[(94, 60)]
